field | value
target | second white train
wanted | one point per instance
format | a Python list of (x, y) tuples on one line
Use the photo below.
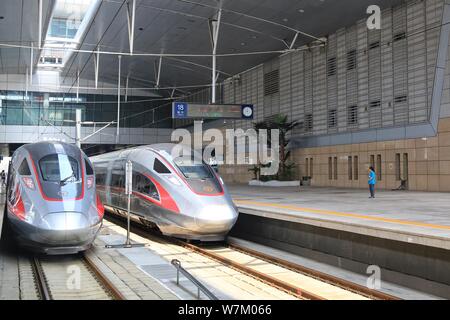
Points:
[(182, 196)]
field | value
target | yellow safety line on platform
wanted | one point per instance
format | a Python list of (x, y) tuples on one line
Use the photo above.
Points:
[(343, 214)]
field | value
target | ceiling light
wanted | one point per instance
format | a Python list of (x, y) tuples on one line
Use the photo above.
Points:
[(285, 19), (301, 10), (242, 43)]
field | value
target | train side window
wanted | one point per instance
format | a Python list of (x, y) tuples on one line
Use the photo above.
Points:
[(159, 167), (100, 179), (89, 170), (24, 169), (146, 186)]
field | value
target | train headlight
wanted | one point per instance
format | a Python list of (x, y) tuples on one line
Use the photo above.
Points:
[(28, 182)]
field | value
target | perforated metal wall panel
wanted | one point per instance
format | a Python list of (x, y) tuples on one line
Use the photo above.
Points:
[(374, 67), (387, 84), (417, 78), (319, 91), (363, 85), (387, 74), (308, 82), (332, 83), (285, 84), (352, 54), (400, 64)]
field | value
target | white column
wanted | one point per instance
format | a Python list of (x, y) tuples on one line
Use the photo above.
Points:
[(78, 127), (40, 23), (131, 21), (215, 27), (118, 101)]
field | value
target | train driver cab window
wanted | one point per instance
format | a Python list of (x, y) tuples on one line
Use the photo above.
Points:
[(192, 170), (24, 169), (144, 185), (159, 167), (59, 168), (89, 170)]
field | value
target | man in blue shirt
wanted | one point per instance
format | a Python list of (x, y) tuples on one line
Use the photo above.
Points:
[(372, 182)]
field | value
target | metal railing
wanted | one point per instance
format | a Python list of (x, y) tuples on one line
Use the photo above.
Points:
[(200, 287)]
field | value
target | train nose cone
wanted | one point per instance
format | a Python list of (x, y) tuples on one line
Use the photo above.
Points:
[(214, 218), (64, 221), (65, 228)]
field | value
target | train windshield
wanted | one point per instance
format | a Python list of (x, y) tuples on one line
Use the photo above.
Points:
[(192, 170), (198, 175), (59, 168)]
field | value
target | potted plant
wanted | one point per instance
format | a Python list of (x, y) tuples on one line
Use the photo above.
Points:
[(286, 168)]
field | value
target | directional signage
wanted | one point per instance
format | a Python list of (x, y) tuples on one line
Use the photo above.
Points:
[(181, 110)]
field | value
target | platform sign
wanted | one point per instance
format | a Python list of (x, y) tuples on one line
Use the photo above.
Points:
[(128, 178), (182, 110), (179, 110)]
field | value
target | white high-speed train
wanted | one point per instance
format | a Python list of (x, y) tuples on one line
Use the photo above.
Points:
[(183, 197), (52, 205)]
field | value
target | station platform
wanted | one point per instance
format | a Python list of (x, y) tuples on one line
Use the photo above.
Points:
[(412, 217), (405, 235)]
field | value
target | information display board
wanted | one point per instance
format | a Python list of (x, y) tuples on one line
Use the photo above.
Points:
[(183, 110)]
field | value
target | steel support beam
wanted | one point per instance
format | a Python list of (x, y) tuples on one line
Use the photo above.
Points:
[(78, 127), (126, 89), (158, 73), (215, 26), (26, 83), (118, 100), (78, 84), (40, 23), (293, 41), (96, 64), (131, 17), (31, 63)]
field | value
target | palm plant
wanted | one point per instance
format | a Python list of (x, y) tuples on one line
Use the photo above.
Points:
[(284, 126)]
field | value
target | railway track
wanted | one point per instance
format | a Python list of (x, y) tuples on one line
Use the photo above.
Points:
[(285, 275), (71, 278)]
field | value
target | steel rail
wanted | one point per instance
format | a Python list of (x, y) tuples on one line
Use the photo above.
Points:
[(43, 287), (108, 285), (146, 232), (142, 231), (41, 281), (342, 283)]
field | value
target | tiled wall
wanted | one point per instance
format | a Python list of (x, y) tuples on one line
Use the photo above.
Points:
[(428, 162)]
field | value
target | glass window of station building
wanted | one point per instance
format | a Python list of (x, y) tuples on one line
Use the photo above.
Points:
[(43, 109)]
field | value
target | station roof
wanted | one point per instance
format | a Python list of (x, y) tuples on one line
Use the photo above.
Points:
[(178, 27)]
